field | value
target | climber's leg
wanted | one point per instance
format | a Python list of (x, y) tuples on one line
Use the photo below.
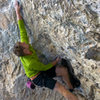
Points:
[(62, 71), (61, 89)]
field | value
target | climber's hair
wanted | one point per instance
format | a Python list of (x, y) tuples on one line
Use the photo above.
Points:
[(18, 50)]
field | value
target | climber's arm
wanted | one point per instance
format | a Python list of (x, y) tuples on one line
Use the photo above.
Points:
[(42, 67), (23, 33), (17, 8), (19, 17)]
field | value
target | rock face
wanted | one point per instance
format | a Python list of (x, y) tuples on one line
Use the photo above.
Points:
[(69, 28)]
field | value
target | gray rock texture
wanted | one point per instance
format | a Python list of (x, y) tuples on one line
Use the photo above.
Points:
[(69, 28)]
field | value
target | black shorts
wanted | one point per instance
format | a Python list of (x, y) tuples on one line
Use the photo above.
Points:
[(45, 78)]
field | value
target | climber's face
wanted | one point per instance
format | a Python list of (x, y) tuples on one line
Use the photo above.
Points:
[(24, 45), (26, 49)]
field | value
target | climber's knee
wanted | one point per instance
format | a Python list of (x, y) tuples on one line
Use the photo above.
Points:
[(61, 71)]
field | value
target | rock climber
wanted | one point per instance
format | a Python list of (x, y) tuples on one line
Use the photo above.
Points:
[(39, 73)]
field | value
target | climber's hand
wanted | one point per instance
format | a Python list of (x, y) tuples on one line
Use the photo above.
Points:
[(58, 59), (17, 7)]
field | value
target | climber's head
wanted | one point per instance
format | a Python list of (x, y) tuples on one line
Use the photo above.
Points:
[(21, 49)]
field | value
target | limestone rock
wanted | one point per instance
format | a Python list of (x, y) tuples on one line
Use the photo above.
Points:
[(69, 28)]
